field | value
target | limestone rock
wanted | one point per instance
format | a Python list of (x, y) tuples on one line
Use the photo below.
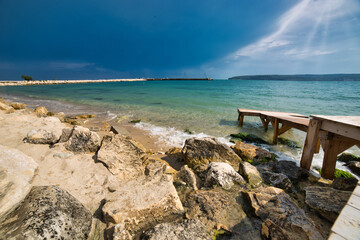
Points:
[(18, 106), (278, 180), (270, 230), (48, 213), (289, 168), (344, 184), (187, 230), (327, 201), (217, 206), (17, 171), (83, 140), (142, 203), (222, 174), (6, 108), (199, 152), (250, 173), (122, 155), (60, 116), (189, 177), (41, 111), (155, 168), (42, 136), (274, 204), (250, 152), (66, 134)]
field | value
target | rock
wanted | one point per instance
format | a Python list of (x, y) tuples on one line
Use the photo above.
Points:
[(122, 155), (347, 157), (219, 173), (189, 177), (18, 106), (173, 150), (278, 180), (250, 173), (6, 108), (270, 230), (141, 203), (17, 171), (48, 212), (41, 111), (66, 134), (354, 167), (83, 140), (63, 155), (250, 152), (60, 116), (274, 204), (42, 136), (344, 184), (218, 206), (327, 201), (199, 152), (293, 172), (155, 168), (187, 230)]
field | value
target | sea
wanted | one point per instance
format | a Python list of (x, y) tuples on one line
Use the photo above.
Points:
[(176, 110)]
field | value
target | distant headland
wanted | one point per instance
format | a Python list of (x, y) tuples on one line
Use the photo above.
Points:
[(301, 77)]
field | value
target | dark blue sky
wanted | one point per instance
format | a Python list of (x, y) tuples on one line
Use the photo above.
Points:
[(83, 39)]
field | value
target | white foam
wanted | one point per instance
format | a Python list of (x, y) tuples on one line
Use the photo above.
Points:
[(171, 136), (111, 115)]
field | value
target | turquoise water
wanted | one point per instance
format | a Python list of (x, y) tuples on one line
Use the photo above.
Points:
[(167, 108)]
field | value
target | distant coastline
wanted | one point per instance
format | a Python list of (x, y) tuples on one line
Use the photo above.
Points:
[(53, 82), (301, 77)]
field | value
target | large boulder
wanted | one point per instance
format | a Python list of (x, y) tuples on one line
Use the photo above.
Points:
[(187, 230), (274, 204), (42, 136), (218, 206), (344, 184), (250, 152), (199, 152), (140, 204), (83, 140), (219, 173), (66, 134), (17, 171), (122, 155), (48, 212), (293, 172), (189, 177), (327, 201), (250, 173)]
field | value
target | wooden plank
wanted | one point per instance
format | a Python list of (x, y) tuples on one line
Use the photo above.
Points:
[(348, 120), (283, 129), (312, 137), (354, 201), (331, 151), (347, 224), (335, 236), (341, 128)]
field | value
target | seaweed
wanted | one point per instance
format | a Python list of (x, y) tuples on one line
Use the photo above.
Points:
[(248, 137)]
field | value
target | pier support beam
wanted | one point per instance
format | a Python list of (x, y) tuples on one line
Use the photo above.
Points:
[(311, 142)]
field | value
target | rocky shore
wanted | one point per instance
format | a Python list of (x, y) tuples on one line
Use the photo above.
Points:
[(68, 177)]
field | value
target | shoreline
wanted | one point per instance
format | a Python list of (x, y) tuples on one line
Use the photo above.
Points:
[(55, 82)]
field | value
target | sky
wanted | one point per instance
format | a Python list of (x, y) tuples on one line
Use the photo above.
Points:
[(88, 39)]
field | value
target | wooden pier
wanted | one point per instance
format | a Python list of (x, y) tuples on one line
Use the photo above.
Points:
[(334, 133)]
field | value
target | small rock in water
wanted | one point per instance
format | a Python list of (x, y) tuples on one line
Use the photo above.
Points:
[(250, 152), (354, 167), (222, 174)]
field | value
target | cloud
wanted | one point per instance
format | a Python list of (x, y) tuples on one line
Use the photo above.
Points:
[(306, 38), (69, 65)]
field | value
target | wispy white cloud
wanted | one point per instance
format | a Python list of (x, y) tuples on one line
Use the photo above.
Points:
[(69, 65), (312, 30)]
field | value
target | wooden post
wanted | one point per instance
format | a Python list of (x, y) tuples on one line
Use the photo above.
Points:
[(241, 119), (317, 149), (310, 144), (265, 122), (276, 130), (330, 154)]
